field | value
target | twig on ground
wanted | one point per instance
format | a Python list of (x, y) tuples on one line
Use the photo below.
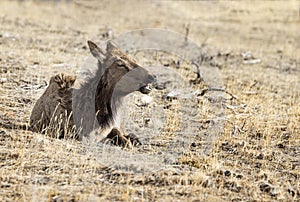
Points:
[(217, 89)]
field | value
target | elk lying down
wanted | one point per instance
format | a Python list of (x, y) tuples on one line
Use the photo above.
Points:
[(64, 110)]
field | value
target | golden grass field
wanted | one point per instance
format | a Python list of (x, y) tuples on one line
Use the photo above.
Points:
[(255, 158)]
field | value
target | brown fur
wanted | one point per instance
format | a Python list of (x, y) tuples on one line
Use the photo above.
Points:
[(117, 75), (53, 109)]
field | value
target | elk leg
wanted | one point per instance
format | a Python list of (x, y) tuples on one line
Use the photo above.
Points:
[(131, 137), (134, 140), (117, 138)]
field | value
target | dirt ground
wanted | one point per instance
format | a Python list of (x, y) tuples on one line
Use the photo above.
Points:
[(255, 47)]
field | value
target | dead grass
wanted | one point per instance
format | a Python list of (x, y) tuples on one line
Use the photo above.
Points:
[(256, 158)]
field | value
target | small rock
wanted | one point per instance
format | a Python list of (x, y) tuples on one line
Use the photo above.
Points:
[(177, 94), (193, 144), (227, 173), (264, 187), (253, 61), (144, 100), (173, 94), (260, 156), (248, 58), (3, 80), (247, 55), (281, 146)]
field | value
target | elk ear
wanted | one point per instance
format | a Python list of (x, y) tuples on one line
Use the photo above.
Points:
[(111, 46), (96, 51), (71, 80), (58, 78)]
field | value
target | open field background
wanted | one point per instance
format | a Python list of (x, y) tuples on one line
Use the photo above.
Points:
[(257, 156)]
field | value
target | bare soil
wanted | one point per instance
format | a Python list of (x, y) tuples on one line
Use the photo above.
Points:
[(255, 47)]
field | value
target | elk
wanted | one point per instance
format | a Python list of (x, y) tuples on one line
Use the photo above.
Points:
[(67, 108)]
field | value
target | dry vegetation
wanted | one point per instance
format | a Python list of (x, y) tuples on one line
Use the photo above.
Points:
[(257, 156)]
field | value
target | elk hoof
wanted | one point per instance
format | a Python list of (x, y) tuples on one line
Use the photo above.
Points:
[(134, 140)]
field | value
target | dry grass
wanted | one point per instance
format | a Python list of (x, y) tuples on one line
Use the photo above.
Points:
[(257, 156)]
